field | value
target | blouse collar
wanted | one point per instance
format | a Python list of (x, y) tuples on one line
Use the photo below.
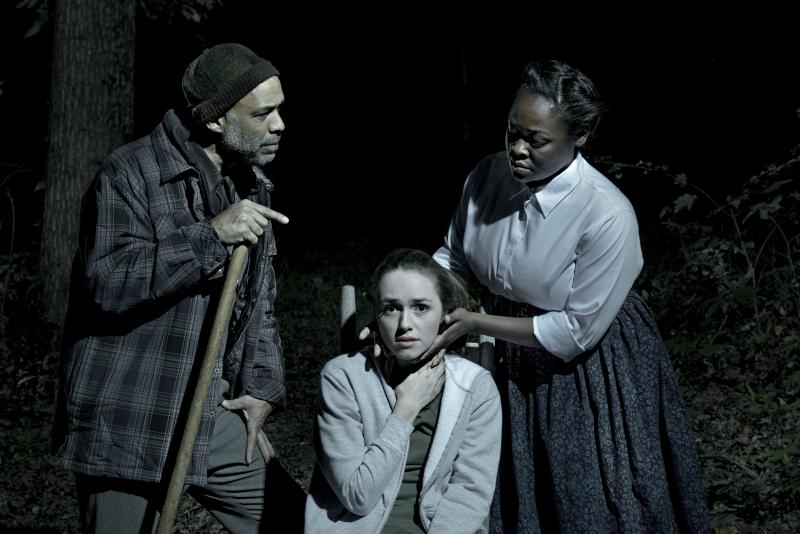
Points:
[(551, 194)]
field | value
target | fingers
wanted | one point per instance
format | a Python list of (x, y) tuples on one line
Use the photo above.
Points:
[(252, 441), (269, 213), (253, 430), (250, 239), (252, 223), (264, 445), (440, 379), (428, 352), (438, 358), (245, 222), (365, 332), (255, 412), (233, 404), (438, 341), (269, 444), (258, 223), (454, 316), (436, 379)]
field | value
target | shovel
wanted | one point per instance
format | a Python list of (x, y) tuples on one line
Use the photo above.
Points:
[(221, 320)]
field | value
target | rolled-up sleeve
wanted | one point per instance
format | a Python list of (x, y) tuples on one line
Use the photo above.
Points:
[(608, 260)]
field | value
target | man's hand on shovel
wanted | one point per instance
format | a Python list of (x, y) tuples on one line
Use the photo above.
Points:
[(255, 413), (244, 222)]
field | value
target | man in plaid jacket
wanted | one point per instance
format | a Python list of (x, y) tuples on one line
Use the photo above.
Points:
[(157, 226)]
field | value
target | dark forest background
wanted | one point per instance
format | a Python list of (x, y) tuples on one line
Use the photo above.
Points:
[(387, 110)]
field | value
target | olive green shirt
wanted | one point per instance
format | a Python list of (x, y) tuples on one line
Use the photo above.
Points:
[(404, 517)]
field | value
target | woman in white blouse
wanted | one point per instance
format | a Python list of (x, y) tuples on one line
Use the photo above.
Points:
[(596, 437)]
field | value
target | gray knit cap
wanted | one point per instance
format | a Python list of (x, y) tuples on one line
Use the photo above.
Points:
[(220, 77)]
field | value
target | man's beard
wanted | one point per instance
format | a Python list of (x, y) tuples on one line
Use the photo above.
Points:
[(247, 150)]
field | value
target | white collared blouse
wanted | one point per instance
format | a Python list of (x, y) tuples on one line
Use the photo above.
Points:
[(570, 248)]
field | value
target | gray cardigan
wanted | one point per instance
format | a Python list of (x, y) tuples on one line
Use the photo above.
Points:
[(361, 450)]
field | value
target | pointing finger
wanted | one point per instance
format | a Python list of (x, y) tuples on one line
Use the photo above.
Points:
[(271, 214)]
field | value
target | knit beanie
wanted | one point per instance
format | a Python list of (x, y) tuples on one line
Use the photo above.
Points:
[(220, 77)]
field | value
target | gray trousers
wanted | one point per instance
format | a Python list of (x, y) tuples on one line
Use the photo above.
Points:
[(245, 498)]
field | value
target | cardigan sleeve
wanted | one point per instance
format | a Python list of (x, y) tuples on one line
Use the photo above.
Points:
[(357, 472)]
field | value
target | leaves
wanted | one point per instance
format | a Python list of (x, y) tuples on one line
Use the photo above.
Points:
[(684, 202), (40, 9), (725, 289), (194, 11)]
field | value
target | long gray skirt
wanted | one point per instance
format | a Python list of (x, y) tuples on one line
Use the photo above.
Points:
[(600, 444)]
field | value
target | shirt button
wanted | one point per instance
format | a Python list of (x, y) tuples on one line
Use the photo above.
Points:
[(211, 413)]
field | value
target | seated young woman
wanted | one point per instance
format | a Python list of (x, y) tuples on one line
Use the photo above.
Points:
[(404, 444)]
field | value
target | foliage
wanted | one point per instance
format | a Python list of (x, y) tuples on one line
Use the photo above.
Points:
[(168, 10), (175, 10), (722, 278), (28, 361), (28, 355), (40, 9)]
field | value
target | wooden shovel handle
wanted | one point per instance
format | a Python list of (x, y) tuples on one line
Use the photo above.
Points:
[(221, 320), (348, 340)]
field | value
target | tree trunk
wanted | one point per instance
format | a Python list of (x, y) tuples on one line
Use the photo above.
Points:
[(91, 113)]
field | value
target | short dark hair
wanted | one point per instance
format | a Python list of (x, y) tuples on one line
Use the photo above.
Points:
[(570, 90), (450, 290)]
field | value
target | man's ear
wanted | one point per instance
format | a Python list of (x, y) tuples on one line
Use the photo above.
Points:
[(581, 140), (216, 125)]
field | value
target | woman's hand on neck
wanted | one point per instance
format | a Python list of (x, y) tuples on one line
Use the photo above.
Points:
[(422, 382)]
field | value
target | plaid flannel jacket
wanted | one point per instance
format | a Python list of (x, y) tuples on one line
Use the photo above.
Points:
[(145, 283)]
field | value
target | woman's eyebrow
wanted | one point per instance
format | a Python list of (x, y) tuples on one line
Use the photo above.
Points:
[(533, 131)]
